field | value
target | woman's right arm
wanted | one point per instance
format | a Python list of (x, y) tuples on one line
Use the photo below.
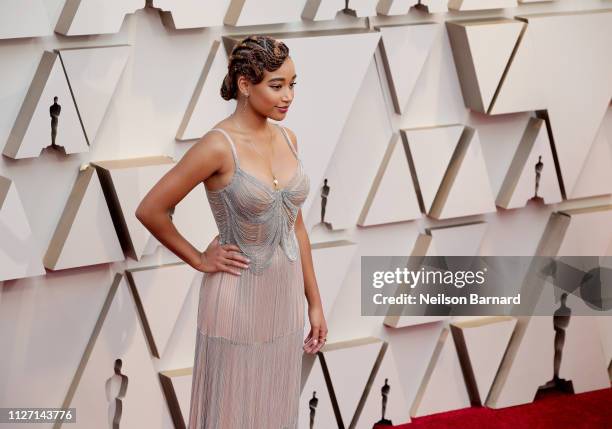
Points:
[(203, 159)]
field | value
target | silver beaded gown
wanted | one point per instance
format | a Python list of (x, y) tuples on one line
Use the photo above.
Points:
[(248, 359)]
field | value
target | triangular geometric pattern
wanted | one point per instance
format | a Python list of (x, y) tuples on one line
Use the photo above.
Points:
[(350, 381), (479, 67), (465, 189), (33, 128), (317, 10), (394, 319), (125, 183), (519, 184), (596, 175), (351, 172), (431, 151), (481, 345), (316, 401), (527, 363), (583, 344), (406, 321), (331, 261), (588, 232), (19, 255), (387, 382), (176, 384), (393, 7), (548, 72), (392, 197), (117, 365), (85, 234), (93, 74), (206, 107), (191, 13), (457, 240), (80, 17), (158, 304), (443, 386), (431, 6), (405, 50), (181, 346)]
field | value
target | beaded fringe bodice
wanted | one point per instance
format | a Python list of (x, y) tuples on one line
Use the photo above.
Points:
[(254, 216)]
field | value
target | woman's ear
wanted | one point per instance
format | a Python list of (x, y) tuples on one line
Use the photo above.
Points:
[(243, 85)]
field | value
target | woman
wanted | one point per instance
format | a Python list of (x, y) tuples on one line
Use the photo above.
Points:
[(247, 367)]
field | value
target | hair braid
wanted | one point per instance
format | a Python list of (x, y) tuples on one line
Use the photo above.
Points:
[(250, 58)]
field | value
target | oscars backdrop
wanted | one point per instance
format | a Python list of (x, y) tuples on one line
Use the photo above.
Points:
[(451, 127)]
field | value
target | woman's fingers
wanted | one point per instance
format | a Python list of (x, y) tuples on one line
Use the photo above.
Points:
[(225, 257), (226, 267), (234, 252), (321, 341), (308, 347), (308, 342), (318, 347), (228, 260), (315, 334), (311, 346), (230, 247), (322, 334)]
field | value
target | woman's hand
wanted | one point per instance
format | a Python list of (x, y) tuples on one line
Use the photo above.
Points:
[(221, 257), (318, 330)]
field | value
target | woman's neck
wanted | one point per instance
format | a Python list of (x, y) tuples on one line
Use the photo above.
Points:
[(250, 121)]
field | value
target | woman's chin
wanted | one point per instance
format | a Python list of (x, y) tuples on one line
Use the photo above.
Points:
[(278, 115)]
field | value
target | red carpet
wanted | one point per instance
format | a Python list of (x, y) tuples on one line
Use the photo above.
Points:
[(551, 409)]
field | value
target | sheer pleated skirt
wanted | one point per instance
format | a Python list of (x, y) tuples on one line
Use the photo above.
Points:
[(248, 359)]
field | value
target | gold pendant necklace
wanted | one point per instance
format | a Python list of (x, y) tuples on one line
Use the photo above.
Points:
[(275, 180)]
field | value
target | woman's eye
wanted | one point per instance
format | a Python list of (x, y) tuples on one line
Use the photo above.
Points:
[(279, 87)]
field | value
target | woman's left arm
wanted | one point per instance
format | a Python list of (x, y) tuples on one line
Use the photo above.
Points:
[(311, 289), (318, 332), (318, 325)]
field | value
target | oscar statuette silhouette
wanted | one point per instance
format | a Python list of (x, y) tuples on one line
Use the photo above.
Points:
[(539, 166), (384, 392), (116, 388), (324, 195), (312, 404), (54, 111)]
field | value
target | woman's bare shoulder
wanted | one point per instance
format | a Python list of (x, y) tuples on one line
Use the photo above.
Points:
[(209, 154), (292, 136), (212, 142)]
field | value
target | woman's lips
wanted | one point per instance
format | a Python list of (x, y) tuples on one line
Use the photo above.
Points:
[(283, 109)]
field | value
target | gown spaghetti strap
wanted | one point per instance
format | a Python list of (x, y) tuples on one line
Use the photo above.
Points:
[(248, 358)]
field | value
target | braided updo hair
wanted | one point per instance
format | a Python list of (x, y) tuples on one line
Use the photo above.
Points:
[(249, 58)]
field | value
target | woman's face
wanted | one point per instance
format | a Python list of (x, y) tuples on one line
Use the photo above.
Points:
[(273, 95)]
